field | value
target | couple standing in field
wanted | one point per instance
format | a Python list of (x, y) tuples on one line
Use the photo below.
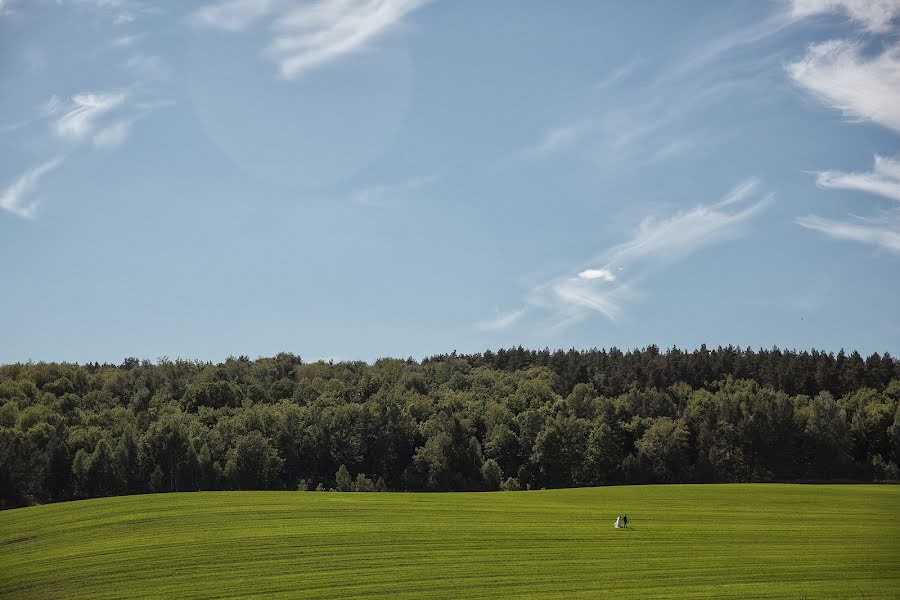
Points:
[(622, 521)]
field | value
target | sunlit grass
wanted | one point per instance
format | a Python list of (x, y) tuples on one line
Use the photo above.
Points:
[(716, 541)]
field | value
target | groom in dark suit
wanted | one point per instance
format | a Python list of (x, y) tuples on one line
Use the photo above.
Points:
[(625, 521)]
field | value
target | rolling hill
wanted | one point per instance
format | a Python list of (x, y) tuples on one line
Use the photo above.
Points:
[(683, 541)]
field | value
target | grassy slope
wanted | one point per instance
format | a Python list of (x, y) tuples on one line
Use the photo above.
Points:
[(724, 541)]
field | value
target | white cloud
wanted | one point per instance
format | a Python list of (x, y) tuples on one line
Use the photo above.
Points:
[(881, 233), (99, 3), (147, 67), (604, 274), (656, 242), (51, 107), (681, 234), (656, 118), (577, 298), (381, 195), (117, 12), (883, 180), (9, 127), (17, 199), (113, 135), (734, 40), (45, 110), (232, 15), (126, 41), (309, 36), (639, 129), (618, 74), (874, 15), (103, 118), (562, 137), (502, 320), (862, 87), (83, 112)]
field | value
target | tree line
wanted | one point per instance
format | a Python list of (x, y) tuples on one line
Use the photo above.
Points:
[(511, 419)]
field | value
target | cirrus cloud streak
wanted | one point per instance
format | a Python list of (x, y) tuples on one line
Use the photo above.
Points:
[(611, 284), (863, 88), (18, 198), (308, 36)]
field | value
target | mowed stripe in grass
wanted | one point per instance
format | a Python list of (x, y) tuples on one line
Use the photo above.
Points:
[(690, 541)]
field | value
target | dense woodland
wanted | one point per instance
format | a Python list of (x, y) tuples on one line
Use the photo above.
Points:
[(511, 419)]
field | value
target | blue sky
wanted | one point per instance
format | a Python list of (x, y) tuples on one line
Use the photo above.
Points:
[(351, 179)]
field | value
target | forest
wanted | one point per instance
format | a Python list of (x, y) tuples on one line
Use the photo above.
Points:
[(512, 419)]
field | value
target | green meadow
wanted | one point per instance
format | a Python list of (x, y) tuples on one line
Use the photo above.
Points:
[(683, 541)]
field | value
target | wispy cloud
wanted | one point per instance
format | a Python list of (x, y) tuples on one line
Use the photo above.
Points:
[(649, 127), (862, 87), (116, 12), (113, 135), (883, 233), (126, 41), (382, 195), (233, 15), (18, 198), (309, 36), (626, 134), (147, 67), (50, 107), (81, 115), (883, 180), (104, 119), (604, 274), (99, 118), (874, 15), (562, 137), (99, 3), (9, 127), (650, 122), (502, 320), (43, 111), (675, 237), (609, 282), (729, 42), (619, 74)]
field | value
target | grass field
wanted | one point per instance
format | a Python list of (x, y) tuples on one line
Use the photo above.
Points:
[(716, 541)]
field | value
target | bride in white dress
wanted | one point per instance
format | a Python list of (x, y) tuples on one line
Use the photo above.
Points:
[(618, 522)]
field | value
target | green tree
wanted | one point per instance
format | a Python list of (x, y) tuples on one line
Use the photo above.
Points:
[(664, 445), (214, 394), (825, 437), (342, 480), (604, 454), (167, 445), (502, 445), (210, 471), (363, 484), (253, 464), (560, 450), (96, 474), (451, 458), (491, 475)]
